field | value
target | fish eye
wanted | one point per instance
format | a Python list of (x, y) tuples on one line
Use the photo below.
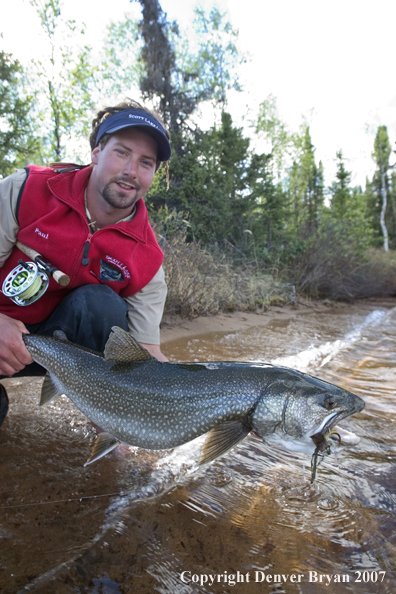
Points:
[(330, 403)]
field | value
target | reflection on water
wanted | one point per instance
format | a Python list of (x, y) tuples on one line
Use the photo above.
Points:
[(249, 522)]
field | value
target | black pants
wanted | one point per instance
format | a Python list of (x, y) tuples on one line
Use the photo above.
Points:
[(86, 316)]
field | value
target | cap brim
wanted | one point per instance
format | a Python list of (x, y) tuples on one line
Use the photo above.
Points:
[(164, 148)]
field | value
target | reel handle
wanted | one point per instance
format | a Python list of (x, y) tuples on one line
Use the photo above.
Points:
[(60, 277)]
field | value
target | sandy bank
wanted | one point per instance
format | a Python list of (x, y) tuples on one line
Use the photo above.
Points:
[(175, 327)]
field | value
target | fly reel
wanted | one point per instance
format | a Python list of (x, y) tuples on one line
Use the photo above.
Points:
[(26, 283)]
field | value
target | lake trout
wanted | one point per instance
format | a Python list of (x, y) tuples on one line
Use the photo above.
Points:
[(143, 402)]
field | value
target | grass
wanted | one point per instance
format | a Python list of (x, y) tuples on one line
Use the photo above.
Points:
[(201, 282)]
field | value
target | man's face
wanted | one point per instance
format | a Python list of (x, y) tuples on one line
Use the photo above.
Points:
[(124, 169)]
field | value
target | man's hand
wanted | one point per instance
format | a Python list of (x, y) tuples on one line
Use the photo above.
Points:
[(155, 350), (13, 353)]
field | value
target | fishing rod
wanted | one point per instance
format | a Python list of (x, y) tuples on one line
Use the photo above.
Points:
[(28, 281)]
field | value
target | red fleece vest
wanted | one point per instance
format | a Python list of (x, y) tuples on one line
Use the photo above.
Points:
[(52, 220)]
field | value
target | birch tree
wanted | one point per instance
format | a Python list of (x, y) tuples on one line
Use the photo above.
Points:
[(381, 154), (65, 79)]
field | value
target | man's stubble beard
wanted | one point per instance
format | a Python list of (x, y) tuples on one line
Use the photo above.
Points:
[(117, 199)]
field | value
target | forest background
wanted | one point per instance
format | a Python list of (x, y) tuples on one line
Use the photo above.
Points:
[(243, 223)]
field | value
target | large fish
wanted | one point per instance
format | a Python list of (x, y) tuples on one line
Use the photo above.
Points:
[(143, 402)]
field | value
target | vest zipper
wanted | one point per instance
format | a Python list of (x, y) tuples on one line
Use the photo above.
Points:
[(85, 260)]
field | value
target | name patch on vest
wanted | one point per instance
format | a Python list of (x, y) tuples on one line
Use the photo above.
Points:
[(112, 269), (45, 235)]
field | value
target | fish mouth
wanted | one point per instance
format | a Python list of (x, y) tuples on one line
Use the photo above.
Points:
[(320, 439), (328, 423), (343, 436), (328, 427)]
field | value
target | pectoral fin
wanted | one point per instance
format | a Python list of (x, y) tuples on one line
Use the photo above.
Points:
[(121, 347), (104, 444), (223, 438), (49, 391)]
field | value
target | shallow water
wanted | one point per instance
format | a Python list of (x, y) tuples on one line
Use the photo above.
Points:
[(136, 520)]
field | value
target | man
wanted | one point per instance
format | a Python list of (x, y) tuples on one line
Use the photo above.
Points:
[(91, 223)]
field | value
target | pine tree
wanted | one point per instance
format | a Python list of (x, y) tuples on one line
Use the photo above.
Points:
[(340, 190), (269, 213), (306, 186), (212, 185)]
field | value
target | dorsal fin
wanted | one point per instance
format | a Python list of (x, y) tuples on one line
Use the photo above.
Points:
[(222, 438), (103, 445), (123, 348)]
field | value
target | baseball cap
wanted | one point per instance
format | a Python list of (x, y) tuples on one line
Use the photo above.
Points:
[(129, 118)]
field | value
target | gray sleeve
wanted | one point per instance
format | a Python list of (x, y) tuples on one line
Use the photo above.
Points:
[(9, 227), (145, 310)]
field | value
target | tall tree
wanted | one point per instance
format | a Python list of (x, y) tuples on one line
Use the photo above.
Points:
[(18, 143), (306, 185), (275, 132), (381, 154), (122, 69), (346, 219), (159, 60), (65, 78), (269, 213), (340, 190), (178, 79), (213, 67)]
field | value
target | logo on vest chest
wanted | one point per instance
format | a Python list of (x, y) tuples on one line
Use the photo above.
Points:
[(43, 235), (113, 270)]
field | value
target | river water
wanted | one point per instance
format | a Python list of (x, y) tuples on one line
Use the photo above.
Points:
[(145, 522)]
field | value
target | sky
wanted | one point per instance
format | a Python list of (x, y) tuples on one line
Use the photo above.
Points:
[(331, 62)]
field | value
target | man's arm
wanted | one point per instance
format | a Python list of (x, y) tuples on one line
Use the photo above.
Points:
[(13, 353), (145, 310), (9, 226)]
